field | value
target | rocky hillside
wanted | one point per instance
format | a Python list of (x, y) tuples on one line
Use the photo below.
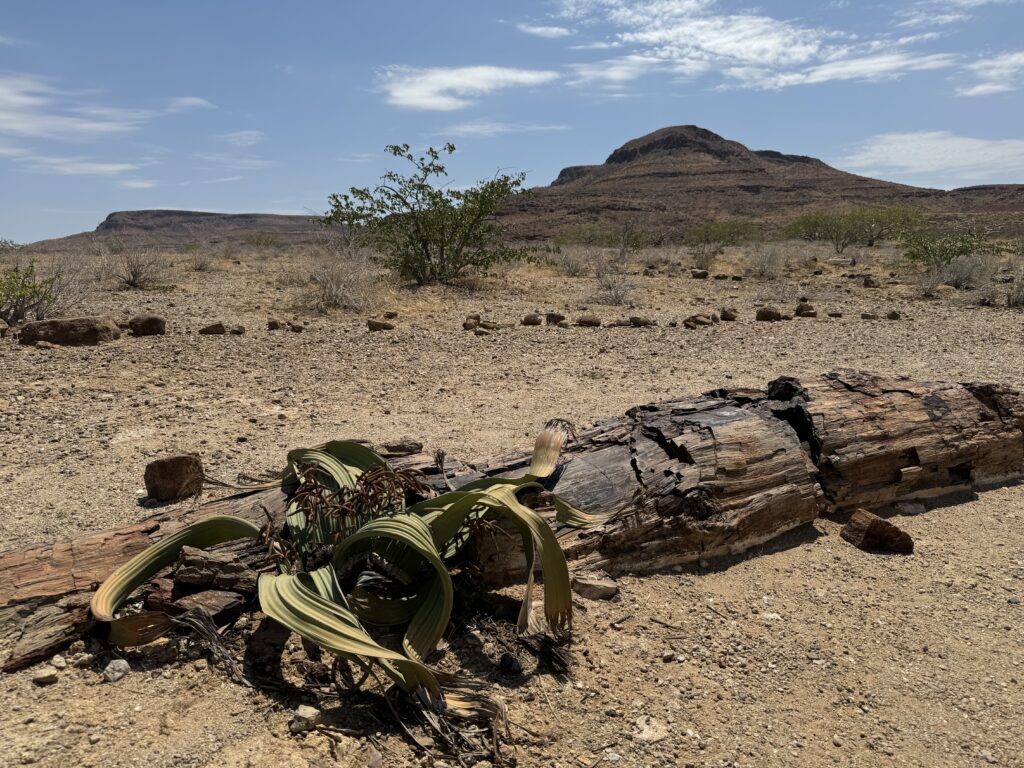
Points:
[(682, 175), (175, 229)]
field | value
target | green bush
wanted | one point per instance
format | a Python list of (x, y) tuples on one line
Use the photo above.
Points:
[(22, 292), (866, 224), (426, 232), (943, 247), (711, 238)]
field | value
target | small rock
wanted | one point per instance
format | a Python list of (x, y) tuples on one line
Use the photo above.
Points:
[(564, 324), (728, 314), (148, 325), (59, 662), (214, 329), (470, 323), (649, 730), (404, 446), (533, 319), (305, 719), (236, 330), (870, 281), (768, 315), (589, 321), (83, 660), (274, 324), (115, 670), (510, 665), (221, 605), (72, 331), (481, 332), (553, 318), (45, 676), (835, 313), (893, 315), (699, 274), (594, 587), (868, 316), (296, 327), (489, 325), (640, 322), (910, 508), (379, 325), (803, 309), (174, 477), (697, 321), (390, 314), (873, 534)]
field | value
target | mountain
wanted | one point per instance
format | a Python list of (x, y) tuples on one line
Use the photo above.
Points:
[(683, 175), (174, 229)]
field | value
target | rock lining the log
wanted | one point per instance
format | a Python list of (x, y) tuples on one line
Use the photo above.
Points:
[(689, 479)]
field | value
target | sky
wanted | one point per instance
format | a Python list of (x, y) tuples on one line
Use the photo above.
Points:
[(268, 106)]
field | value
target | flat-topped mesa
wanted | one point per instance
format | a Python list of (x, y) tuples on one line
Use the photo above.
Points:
[(683, 480)]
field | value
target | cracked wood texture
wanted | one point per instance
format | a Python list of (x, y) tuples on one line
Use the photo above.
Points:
[(688, 479)]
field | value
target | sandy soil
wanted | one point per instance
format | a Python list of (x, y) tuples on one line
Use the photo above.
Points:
[(808, 652)]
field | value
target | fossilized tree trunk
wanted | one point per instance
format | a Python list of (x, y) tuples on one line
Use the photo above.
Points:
[(687, 479)]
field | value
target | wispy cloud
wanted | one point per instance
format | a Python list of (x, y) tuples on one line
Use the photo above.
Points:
[(748, 48), (222, 180), (185, 103), (939, 153), (540, 30), (31, 106), (8, 150), (234, 162), (138, 184), (358, 157), (76, 166), (486, 128), (243, 138), (450, 88), (996, 75)]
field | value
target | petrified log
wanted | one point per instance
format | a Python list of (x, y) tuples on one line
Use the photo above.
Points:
[(873, 534), (686, 480)]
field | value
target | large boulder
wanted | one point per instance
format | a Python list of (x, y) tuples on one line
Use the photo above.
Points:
[(71, 331), (174, 477), (148, 325)]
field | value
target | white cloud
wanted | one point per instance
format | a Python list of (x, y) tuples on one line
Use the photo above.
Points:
[(222, 180), (184, 103), (358, 157), (32, 106), (753, 49), (138, 184), (449, 88), (7, 150), (939, 153), (485, 128), (243, 138), (880, 67), (235, 162), (997, 75), (544, 31), (76, 166)]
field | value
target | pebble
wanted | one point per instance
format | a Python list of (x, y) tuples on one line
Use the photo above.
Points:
[(115, 670)]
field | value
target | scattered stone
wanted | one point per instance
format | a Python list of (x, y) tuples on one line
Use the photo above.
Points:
[(893, 315), (594, 586), (834, 313), (737, 278), (83, 660), (115, 670), (910, 508), (202, 568), (533, 319), (222, 606), (564, 324), (45, 676), (509, 665), (699, 274), (589, 321), (803, 309), (59, 662), (721, 276), (379, 325), (73, 331), (470, 323), (641, 322), (306, 718), (174, 477), (622, 322), (868, 316), (870, 281), (649, 730), (405, 446), (274, 324), (390, 314), (729, 314), (873, 534), (489, 325), (768, 315), (236, 330), (553, 318), (214, 329), (697, 321), (147, 325), (481, 332), (296, 327)]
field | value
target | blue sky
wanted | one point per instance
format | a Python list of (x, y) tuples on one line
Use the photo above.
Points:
[(270, 106)]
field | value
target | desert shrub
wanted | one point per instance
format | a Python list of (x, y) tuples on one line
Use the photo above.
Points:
[(137, 269), (348, 285), (260, 239), (970, 271), (571, 261), (201, 261), (943, 247), (711, 238), (840, 228), (426, 232), (766, 261), (614, 285), (26, 294)]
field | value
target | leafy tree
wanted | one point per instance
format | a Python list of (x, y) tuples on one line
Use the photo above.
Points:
[(8, 246), (841, 228), (941, 248), (424, 231), (879, 222), (22, 292)]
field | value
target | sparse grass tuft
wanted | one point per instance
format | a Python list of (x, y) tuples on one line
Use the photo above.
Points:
[(766, 261), (138, 269)]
